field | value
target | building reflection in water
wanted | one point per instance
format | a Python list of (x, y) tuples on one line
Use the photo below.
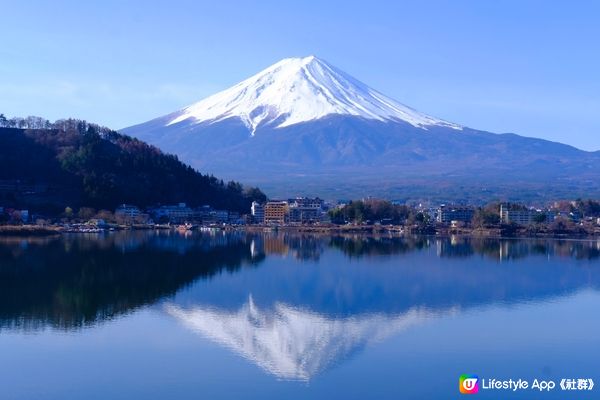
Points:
[(507, 249), (301, 247)]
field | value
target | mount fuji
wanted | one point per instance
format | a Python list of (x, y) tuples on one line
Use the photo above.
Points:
[(304, 127), (297, 90)]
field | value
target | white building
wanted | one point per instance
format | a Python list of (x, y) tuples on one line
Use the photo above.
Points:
[(305, 210), (523, 217), (258, 212)]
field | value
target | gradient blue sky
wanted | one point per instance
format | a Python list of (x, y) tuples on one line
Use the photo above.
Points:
[(529, 67)]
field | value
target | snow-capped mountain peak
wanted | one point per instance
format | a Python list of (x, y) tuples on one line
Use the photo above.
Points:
[(296, 90)]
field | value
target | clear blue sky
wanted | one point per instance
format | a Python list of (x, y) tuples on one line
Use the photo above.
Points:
[(529, 67)]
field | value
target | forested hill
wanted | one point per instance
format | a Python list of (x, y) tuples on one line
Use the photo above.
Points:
[(74, 163)]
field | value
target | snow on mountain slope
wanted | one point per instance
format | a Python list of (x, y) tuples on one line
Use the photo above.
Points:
[(303, 127), (297, 90)]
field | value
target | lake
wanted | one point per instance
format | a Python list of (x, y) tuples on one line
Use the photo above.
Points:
[(164, 315)]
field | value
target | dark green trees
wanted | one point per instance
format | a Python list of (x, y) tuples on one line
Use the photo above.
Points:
[(83, 164)]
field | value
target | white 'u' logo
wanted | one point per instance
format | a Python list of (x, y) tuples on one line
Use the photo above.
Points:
[(469, 383)]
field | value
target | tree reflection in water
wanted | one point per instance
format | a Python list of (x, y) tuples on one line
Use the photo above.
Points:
[(73, 281)]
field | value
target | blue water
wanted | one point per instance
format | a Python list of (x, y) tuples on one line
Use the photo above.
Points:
[(226, 316)]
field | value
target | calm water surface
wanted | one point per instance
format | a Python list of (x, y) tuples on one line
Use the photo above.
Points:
[(148, 315)]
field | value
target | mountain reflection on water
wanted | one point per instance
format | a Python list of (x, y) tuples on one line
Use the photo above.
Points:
[(292, 343), (78, 280), (294, 304)]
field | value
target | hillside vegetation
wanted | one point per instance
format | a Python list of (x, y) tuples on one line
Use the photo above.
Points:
[(48, 166)]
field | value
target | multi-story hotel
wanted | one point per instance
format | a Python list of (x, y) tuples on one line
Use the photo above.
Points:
[(524, 217), (174, 213), (276, 212), (305, 210), (447, 214)]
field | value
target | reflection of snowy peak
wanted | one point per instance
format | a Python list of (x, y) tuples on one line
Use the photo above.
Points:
[(298, 90), (291, 343)]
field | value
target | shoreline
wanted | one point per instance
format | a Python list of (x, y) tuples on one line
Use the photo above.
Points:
[(492, 233), (29, 230), (396, 230)]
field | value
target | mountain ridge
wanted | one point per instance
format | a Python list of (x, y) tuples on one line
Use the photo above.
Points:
[(345, 154)]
